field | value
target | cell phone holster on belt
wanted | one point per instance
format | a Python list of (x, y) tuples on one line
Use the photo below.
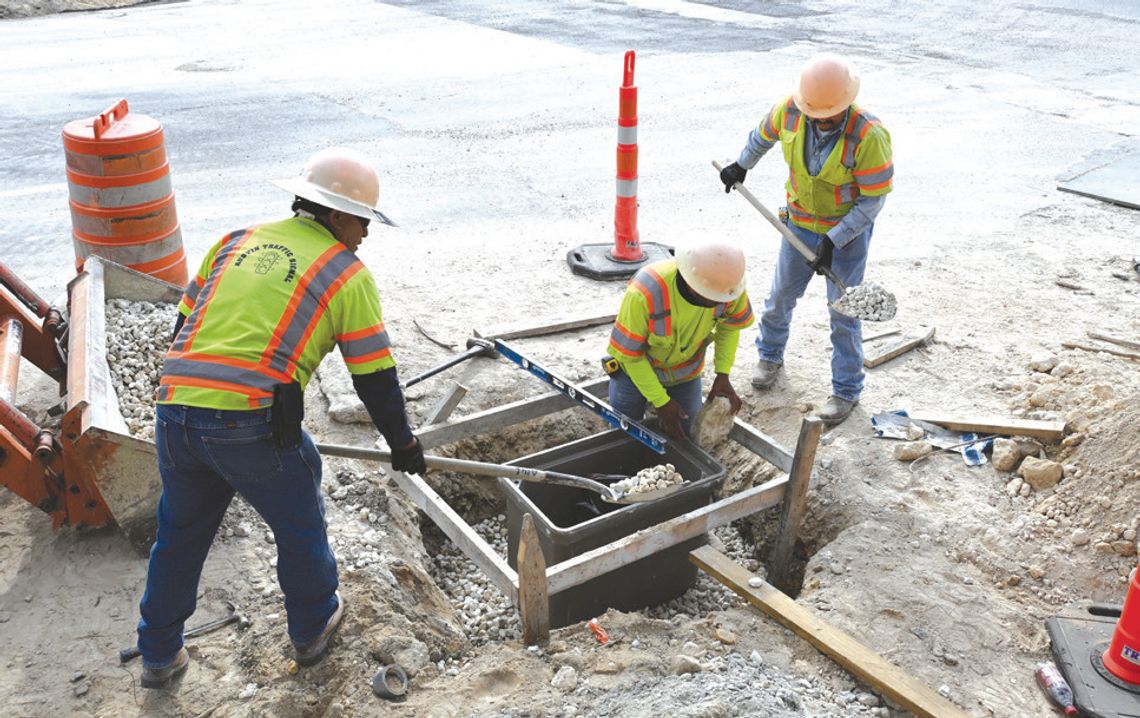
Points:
[(287, 413)]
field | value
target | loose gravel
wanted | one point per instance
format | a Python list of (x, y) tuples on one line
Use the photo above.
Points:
[(869, 301), (138, 335)]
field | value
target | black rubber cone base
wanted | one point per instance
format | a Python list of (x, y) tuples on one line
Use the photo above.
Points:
[(595, 260), (1080, 634)]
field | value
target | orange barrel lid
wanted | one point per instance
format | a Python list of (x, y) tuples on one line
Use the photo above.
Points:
[(114, 132)]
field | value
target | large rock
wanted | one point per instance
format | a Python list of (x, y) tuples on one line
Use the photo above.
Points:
[(1006, 454), (566, 679), (336, 384), (1040, 473)]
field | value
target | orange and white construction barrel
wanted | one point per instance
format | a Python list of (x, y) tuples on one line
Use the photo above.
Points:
[(121, 199)]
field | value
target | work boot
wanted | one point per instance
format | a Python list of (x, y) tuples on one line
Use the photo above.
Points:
[(313, 651), (162, 676), (764, 375), (836, 410)]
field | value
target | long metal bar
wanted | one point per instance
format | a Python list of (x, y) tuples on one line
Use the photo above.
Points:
[(613, 417), (23, 292), (11, 341)]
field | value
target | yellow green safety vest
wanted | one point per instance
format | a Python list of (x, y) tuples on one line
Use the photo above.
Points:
[(268, 303), (660, 339), (860, 163)]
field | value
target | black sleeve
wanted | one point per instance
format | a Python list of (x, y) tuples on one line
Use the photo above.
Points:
[(178, 325), (382, 397)]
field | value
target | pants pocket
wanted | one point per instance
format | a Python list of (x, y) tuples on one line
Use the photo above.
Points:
[(244, 458)]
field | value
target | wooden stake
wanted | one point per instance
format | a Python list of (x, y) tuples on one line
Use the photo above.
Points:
[(795, 501), (534, 604), (552, 328), (879, 673), (446, 405), (897, 349)]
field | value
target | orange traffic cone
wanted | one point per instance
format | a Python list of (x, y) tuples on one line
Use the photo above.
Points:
[(1122, 658)]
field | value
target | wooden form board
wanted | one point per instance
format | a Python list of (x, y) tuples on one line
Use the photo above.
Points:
[(898, 349), (885, 677), (554, 327), (1045, 430)]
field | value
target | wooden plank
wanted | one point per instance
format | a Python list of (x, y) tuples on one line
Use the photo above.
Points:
[(534, 603), (873, 337), (795, 501), (648, 541), (1106, 350), (1045, 430), (761, 444), (1115, 340), (504, 416), (470, 543), (885, 677), (555, 327), (897, 349), (446, 405)]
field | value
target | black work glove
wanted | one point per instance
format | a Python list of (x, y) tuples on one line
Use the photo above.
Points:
[(823, 256), (410, 460), (731, 175)]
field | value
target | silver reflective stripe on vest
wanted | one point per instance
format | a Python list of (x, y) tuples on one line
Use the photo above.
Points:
[(197, 369), (313, 303), (627, 188), (658, 301), (112, 197), (128, 254), (623, 340), (363, 346), (192, 291), (847, 192), (627, 135)]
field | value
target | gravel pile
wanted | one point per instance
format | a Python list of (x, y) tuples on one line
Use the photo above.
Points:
[(138, 335), (486, 613), (868, 301), (707, 594)]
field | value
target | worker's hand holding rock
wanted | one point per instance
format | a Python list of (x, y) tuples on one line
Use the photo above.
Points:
[(732, 174), (721, 386), (823, 256), (410, 459), (672, 418)]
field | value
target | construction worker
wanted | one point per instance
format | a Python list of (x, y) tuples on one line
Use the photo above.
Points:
[(840, 170), (268, 303), (671, 312)]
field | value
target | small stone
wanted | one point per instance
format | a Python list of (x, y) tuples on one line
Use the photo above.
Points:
[(725, 636), (868, 699), (1036, 572), (270, 538), (911, 450), (1043, 362), (1124, 548), (565, 680), (249, 691), (82, 689), (755, 582), (1080, 537), (683, 664), (242, 530), (1013, 488), (914, 433), (944, 691), (1040, 473), (756, 658), (1005, 454)]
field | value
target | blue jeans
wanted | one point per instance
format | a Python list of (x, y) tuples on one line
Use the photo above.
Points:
[(626, 398), (204, 456), (788, 284)]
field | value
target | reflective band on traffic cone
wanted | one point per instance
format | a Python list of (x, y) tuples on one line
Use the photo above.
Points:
[(627, 244), (1122, 658), (121, 200)]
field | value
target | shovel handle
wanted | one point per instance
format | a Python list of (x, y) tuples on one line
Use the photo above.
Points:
[(788, 234), (477, 468)]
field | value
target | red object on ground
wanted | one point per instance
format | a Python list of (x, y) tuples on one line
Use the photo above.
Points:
[(627, 243), (122, 204), (599, 632), (1056, 687), (1122, 658)]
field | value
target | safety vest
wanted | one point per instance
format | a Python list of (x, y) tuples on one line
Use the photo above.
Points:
[(656, 323), (860, 163), (267, 305)]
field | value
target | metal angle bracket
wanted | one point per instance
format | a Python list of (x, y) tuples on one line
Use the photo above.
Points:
[(614, 418)]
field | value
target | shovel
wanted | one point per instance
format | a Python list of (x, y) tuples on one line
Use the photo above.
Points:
[(479, 468), (809, 255)]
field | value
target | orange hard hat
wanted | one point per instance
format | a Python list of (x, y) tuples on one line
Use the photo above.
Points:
[(715, 270), (827, 86), (339, 178)]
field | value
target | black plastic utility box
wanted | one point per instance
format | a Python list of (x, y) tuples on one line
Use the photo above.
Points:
[(571, 521)]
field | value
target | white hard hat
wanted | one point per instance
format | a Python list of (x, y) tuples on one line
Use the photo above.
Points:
[(827, 86), (339, 178), (715, 270)]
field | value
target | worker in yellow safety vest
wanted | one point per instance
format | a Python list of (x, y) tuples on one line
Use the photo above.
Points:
[(267, 304), (840, 171), (671, 312)]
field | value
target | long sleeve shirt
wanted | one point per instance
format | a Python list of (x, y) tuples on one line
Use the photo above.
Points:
[(817, 147)]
